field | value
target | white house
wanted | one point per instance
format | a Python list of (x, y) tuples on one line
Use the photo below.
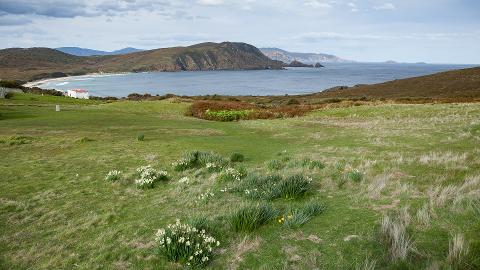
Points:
[(78, 93)]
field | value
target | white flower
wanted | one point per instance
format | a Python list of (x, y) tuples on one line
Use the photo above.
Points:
[(184, 180)]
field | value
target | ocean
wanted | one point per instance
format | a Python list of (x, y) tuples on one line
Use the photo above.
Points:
[(249, 82)]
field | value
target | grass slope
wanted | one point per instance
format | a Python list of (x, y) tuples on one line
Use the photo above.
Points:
[(57, 211)]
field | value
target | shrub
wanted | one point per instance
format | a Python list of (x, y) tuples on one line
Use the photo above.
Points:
[(186, 244), (226, 116), (252, 217), (140, 137), (113, 175), (196, 159), (149, 176), (297, 217), (275, 165), (237, 157)]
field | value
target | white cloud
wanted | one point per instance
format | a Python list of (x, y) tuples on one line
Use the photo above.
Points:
[(317, 4), (386, 6), (210, 2)]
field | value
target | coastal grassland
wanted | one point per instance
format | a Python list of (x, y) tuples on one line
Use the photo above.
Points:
[(419, 165)]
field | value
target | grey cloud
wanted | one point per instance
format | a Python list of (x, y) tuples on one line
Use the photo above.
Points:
[(13, 20)]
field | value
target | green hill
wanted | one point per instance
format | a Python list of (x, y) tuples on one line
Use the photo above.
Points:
[(37, 63)]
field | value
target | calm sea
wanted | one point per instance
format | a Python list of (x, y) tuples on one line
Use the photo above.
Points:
[(257, 82)]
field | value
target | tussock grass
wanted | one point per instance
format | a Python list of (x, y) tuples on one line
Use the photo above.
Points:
[(249, 218), (394, 235), (457, 251), (423, 215), (271, 187), (294, 218)]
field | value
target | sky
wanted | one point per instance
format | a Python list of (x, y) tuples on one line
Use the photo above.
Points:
[(433, 31)]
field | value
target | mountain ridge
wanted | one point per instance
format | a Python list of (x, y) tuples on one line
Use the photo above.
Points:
[(307, 58), (78, 51), (37, 63)]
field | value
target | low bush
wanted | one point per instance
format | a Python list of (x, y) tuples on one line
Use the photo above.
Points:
[(226, 116), (149, 176), (140, 137), (113, 175), (237, 157), (186, 244), (249, 218)]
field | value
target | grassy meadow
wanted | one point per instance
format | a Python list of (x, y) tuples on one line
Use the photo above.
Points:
[(391, 186)]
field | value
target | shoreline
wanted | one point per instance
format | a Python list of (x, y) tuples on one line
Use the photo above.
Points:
[(42, 81)]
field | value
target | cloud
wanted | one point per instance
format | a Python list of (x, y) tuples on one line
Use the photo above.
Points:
[(210, 2), (386, 6), (77, 8), (317, 4), (50, 8), (13, 20)]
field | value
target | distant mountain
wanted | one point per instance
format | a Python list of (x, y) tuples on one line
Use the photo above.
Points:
[(37, 63), (307, 58), (89, 52)]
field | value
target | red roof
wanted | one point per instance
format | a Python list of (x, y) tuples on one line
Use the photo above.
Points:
[(80, 90)]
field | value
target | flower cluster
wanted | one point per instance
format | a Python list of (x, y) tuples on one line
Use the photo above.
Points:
[(213, 167), (285, 218), (148, 176), (186, 244), (230, 174), (113, 175), (205, 197), (181, 165), (184, 180)]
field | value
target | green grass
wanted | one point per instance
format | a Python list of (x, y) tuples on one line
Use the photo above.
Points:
[(57, 211)]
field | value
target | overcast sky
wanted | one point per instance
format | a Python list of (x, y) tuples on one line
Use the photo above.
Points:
[(438, 31)]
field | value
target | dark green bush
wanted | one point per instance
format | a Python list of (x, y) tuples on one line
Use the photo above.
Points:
[(237, 157), (140, 137)]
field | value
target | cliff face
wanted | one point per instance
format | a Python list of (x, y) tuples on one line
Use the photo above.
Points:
[(35, 63)]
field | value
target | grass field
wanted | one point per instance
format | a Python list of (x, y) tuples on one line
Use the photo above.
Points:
[(418, 165)]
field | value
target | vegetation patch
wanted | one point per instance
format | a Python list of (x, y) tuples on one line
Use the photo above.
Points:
[(271, 187), (149, 176), (294, 218), (236, 110), (249, 218), (186, 244), (198, 159)]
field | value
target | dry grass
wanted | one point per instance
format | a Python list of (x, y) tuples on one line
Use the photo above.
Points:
[(457, 195), (457, 251), (423, 216), (445, 158), (393, 232), (243, 247)]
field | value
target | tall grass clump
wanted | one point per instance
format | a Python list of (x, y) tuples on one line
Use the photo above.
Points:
[(271, 187), (457, 251), (186, 244), (140, 137), (249, 218), (197, 159), (294, 218), (292, 187), (275, 165), (237, 157), (394, 235)]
